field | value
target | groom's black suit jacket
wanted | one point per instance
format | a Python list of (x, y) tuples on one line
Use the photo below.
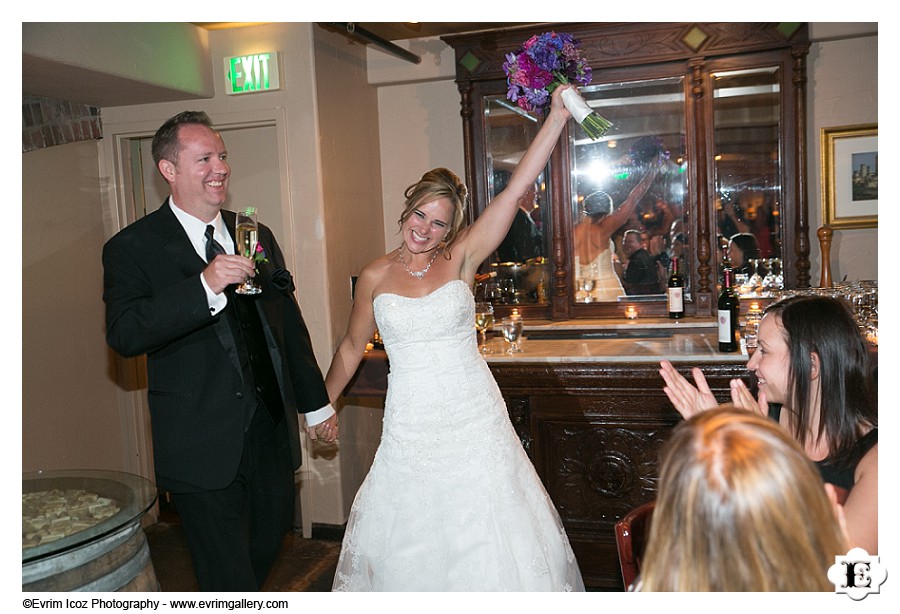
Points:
[(200, 402)]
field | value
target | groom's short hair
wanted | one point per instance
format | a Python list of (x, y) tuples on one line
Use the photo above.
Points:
[(165, 141)]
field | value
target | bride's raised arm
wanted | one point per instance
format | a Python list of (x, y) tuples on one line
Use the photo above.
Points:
[(480, 239)]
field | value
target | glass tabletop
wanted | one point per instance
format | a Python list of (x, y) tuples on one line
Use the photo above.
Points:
[(132, 496)]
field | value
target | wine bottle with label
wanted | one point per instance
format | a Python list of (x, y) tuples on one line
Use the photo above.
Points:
[(675, 292), (729, 309)]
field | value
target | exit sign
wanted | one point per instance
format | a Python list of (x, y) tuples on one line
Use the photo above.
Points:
[(248, 74)]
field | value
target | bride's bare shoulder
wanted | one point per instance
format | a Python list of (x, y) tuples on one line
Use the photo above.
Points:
[(378, 269)]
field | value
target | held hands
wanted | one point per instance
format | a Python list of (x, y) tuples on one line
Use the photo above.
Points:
[(327, 431), (225, 270)]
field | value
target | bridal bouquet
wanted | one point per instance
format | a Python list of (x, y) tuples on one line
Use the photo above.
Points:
[(543, 63), (648, 147)]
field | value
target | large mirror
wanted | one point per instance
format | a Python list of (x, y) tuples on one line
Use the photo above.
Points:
[(718, 108), (520, 262), (628, 192), (747, 125)]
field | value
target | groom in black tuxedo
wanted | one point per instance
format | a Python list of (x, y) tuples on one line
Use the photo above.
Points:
[(227, 373)]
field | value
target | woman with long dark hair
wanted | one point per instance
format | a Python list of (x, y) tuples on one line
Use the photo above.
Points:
[(742, 248), (814, 374)]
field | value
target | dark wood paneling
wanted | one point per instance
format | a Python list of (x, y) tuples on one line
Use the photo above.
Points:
[(594, 432)]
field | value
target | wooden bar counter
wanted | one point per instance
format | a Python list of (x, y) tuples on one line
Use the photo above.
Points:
[(586, 400)]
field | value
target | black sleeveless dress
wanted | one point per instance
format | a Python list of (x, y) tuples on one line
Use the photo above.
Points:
[(840, 472)]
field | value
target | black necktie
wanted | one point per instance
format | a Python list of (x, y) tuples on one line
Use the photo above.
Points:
[(213, 247), (252, 341)]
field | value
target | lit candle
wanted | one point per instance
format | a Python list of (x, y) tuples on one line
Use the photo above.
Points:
[(631, 313)]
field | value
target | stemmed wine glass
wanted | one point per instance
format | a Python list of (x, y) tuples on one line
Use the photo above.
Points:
[(587, 286), (775, 278), (246, 232), (512, 332), (756, 277), (484, 321)]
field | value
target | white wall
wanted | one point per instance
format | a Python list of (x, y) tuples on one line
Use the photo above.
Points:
[(843, 91), (351, 184), (69, 398), (419, 121), (295, 111), (421, 129)]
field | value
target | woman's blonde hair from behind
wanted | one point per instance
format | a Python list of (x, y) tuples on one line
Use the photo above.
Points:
[(740, 507), (434, 184)]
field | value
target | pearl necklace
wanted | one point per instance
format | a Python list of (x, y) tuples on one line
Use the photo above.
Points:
[(417, 274)]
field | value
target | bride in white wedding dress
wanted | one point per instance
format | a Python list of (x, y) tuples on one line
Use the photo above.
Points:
[(452, 502), (595, 275)]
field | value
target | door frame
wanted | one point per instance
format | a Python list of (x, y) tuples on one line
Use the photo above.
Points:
[(123, 196)]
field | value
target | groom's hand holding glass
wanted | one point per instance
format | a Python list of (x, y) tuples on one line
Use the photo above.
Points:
[(226, 270)]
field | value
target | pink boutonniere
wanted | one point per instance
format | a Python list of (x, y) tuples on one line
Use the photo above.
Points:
[(260, 255)]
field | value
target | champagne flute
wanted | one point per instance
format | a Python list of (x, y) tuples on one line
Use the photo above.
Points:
[(246, 232), (484, 321), (512, 331)]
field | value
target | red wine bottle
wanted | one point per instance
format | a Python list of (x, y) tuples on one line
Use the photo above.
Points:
[(729, 308), (675, 292)]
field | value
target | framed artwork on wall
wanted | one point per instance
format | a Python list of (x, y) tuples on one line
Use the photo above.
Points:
[(850, 176)]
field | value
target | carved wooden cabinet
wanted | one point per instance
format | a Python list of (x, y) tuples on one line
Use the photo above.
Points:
[(594, 432), (727, 102)]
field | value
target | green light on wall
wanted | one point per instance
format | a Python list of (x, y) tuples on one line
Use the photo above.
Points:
[(250, 74)]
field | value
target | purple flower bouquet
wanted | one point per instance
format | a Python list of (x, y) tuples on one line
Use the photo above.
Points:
[(543, 63)]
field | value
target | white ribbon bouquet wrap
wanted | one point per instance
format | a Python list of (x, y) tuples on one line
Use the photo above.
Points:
[(593, 124)]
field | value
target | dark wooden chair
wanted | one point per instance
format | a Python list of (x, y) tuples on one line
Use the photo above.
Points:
[(631, 538)]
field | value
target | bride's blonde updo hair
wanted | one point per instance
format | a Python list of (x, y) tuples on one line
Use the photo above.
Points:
[(438, 183)]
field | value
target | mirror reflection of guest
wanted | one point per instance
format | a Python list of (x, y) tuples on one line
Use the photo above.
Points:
[(754, 215), (657, 217), (678, 249), (742, 248), (679, 244), (524, 240), (641, 274)]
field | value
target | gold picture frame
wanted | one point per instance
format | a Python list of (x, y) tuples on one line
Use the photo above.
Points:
[(850, 176)]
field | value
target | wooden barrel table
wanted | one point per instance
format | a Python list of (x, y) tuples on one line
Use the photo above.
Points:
[(81, 531)]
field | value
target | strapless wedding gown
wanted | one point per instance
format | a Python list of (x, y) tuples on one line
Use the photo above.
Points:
[(607, 286), (451, 502)]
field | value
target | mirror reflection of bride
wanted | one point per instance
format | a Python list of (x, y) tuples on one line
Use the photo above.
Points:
[(595, 276)]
